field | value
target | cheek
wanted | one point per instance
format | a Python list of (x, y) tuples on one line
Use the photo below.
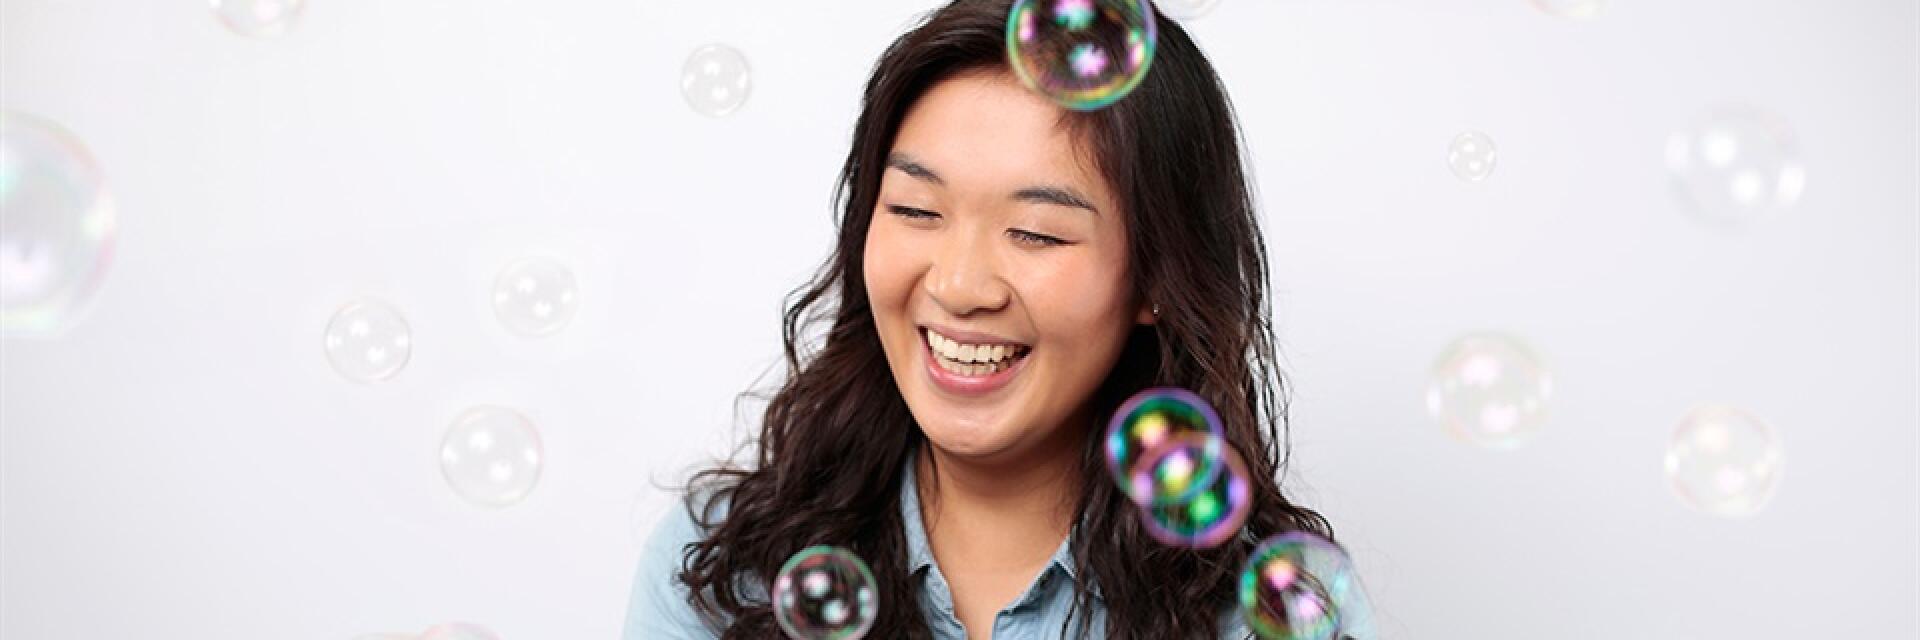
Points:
[(1081, 305), (888, 269)]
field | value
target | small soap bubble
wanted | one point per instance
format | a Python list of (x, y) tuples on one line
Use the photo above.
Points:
[(56, 227), (458, 631), (825, 593), (258, 18), (1083, 54), (1489, 389), (716, 80), (534, 297), (1736, 164), (1471, 156), (1724, 461), (1209, 516), (1186, 9), (1299, 586), (368, 341), (1147, 420), (491, 456), (1581, 9)]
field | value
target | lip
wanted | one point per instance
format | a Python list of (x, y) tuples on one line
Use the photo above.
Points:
[(969, 337), (964, 385)]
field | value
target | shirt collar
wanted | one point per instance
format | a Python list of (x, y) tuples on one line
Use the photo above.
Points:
[(920, 553)]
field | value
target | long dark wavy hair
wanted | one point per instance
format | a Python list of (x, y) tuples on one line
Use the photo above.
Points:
[(836, 436)]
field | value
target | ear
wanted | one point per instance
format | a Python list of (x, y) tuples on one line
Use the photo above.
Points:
[(1144, 315)]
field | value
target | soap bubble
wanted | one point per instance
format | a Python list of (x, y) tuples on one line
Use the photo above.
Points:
[(368, 341), (1150, 418), (491, 456), (1471, 156), (1083, 54), (1570, 8), (1299, 586), (1736, 164), (1489, 389), (825, 593), (57, 231), (1724, 461), (535, 297), (1186, 9), (258, 18), (1212, 514), (716, 80), (458, 631)]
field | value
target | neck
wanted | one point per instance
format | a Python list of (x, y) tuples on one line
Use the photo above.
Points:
[(1003, 515)]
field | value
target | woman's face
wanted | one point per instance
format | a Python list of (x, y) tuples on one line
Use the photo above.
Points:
[(996, 264)]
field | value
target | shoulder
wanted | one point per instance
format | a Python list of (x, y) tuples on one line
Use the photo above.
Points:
[(658, 605)]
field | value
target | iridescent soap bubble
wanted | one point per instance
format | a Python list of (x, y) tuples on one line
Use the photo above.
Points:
[(1186, 9), (491, 456), (1489, 389), (1724, 461), (1209, 516), (1299, 586), (368, 341), (535, 297), (716, 80), (825, 593), (458, 631), (1083, 54), (1581, 9), (1471, 156), (1736, 164), (56, 227), (258, 18), (1147, 420)]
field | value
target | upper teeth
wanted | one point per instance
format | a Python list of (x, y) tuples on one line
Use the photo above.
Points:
[(952, 350)]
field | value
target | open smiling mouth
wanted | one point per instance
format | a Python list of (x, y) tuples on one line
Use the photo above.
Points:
[(972, 360)]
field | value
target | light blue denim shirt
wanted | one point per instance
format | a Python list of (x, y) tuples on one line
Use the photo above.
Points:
[(658, 607)]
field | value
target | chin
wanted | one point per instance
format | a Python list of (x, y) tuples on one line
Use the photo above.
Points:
[(959, 436)]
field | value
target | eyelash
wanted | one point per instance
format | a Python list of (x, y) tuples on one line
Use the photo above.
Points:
[(1019, 235)]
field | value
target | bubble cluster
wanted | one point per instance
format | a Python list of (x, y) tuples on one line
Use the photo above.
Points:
[(258, 18), (1489, 389), (56, 237), (1581, 9), (1299, 586), (1151, 418), (1471, 156), (1736, 164), (368, 341), (1083, 54), (716, 80), (1185, 9), (535, 297), (491, 456), (1724, 461), (825, 593), (1214, 511)]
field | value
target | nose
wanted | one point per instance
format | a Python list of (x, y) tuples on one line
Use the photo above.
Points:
[(965, 276)]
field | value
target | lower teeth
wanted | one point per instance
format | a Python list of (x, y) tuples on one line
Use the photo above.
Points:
[(971, 369)]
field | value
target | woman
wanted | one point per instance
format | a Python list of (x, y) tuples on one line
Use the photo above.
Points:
[(1007, 273)]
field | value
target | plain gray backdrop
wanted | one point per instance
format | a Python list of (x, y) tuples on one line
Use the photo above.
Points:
[(185, 464)]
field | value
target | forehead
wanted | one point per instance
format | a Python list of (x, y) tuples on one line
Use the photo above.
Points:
[(985, 130)]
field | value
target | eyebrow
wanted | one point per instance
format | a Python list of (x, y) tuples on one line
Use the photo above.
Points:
[(1041, 194)]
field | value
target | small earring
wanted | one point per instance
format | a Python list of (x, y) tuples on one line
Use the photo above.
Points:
[(1156, 311)]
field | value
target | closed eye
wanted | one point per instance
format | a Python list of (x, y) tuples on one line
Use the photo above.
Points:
[(1036, 239), (911, 212)]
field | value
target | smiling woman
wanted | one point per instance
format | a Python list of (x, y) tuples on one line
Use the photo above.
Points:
[(1006, 273)]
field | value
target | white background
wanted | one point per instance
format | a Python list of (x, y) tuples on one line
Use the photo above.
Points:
[(184, 463)]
